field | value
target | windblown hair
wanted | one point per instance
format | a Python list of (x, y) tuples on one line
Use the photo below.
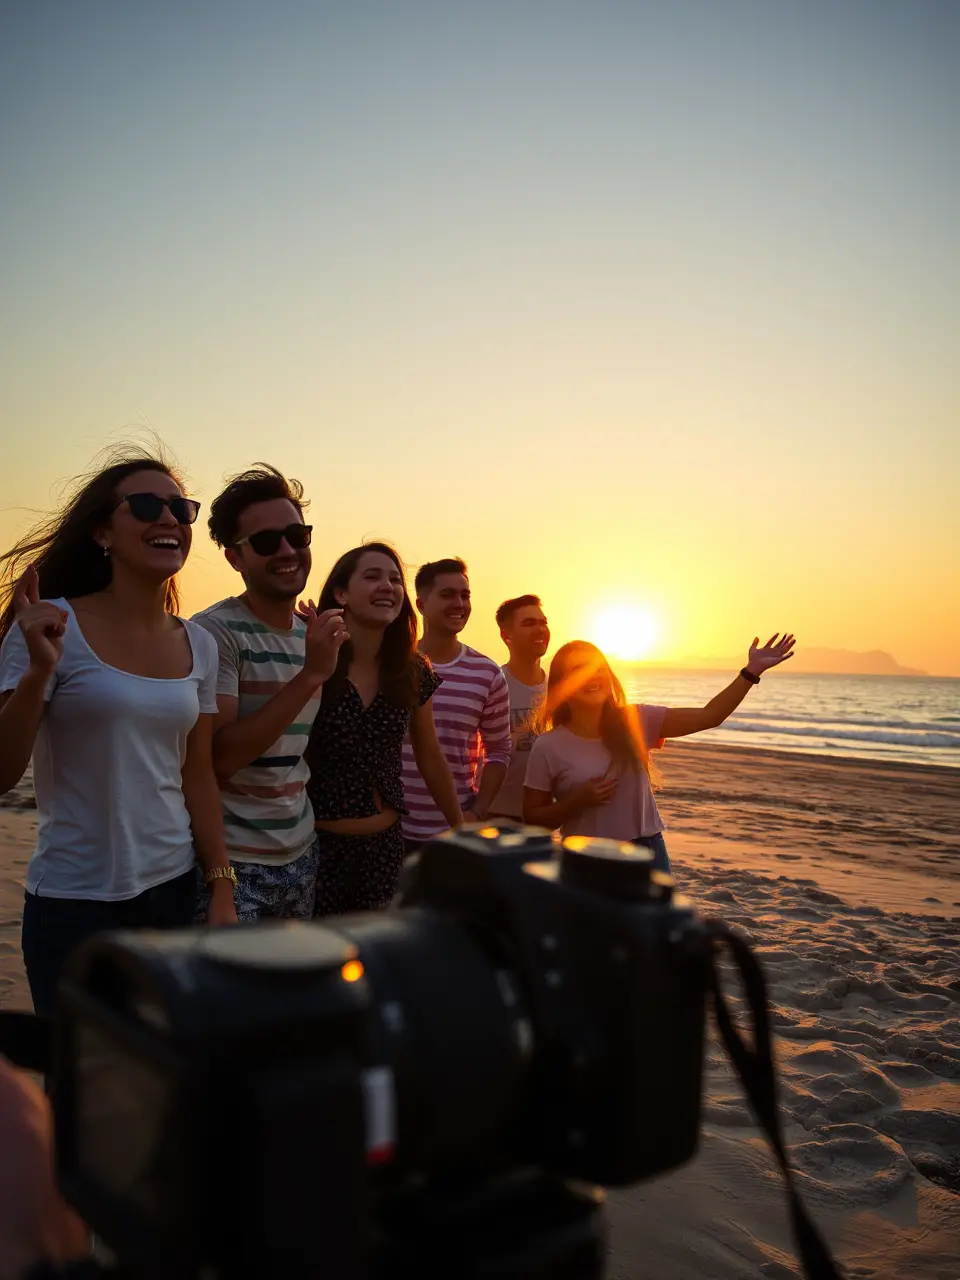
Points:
[(620, 726), (261, 483), (400, 663), (509, 608), (62, 546), (427, 574)]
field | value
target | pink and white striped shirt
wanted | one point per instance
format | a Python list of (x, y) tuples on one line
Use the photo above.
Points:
[(471, 711)]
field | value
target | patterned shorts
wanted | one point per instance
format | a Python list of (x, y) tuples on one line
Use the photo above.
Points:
[(271, 893), (357, 873)]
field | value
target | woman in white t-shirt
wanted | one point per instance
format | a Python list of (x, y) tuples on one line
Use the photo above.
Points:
[(114, 697), (589, 770)]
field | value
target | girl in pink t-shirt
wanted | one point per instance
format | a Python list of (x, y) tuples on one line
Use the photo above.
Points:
[(589, 770)]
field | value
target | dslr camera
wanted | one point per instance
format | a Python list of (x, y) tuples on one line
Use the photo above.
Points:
[(438, 1089)]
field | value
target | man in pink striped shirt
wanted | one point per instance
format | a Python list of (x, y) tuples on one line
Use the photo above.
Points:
[(471, 709)]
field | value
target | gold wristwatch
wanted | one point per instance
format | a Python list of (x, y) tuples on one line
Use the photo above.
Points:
[(220, 873)]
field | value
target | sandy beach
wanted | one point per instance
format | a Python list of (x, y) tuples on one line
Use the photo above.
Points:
[(846, 876)]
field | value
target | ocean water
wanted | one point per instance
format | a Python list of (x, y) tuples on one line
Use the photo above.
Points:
[(914, 720)]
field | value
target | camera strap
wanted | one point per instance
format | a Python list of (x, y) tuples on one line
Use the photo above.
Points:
[(754, 1065)]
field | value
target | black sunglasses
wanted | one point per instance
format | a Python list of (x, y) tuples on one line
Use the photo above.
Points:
[(147, 507), (266, 542)]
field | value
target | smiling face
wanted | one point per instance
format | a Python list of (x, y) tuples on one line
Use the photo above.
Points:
[(584, 680), (374, 595), (526, 633), (446, 606), (282, 575), (154, 550)]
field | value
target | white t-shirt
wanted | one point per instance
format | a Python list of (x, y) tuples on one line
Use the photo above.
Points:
[(107, 768), (524, 700), (560, 761)]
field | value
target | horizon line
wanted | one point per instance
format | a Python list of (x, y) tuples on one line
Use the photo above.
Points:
[(681, 665)]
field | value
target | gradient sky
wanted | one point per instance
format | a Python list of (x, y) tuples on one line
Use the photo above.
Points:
[(623, 302)]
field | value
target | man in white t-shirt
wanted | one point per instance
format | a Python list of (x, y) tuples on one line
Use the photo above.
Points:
[(524, 630)]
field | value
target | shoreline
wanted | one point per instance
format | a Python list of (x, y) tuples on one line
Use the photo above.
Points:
[(823, 757), (20, 798), (724, 668)]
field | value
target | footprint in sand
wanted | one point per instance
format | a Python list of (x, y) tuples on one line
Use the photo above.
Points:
[(931, 1141), (852, 1162), (830, 1084), (907, 1074), (727, 1111)]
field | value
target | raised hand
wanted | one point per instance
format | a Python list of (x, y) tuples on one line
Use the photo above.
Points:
[(41, 622), (326, 632), (777, 649)]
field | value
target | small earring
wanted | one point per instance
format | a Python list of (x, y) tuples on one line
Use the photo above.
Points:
[(106, 549)]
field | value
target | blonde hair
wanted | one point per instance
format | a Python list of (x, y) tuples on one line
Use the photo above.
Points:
[(620, 726)]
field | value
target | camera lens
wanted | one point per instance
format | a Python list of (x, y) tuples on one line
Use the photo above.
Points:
[(613, 869)]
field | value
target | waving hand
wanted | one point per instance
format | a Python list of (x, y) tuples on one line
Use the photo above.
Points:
[(777, 649), (41, 622)]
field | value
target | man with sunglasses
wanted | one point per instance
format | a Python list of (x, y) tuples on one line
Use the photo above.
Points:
[(272, 667)]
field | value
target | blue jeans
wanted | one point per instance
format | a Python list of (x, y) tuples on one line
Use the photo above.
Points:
[(658, 847), (53, 927)]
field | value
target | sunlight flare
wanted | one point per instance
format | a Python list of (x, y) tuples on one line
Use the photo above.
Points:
[(628, 632)]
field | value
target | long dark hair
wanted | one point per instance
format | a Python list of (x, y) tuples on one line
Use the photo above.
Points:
[(62, 546), (619, 723), (400, 664)]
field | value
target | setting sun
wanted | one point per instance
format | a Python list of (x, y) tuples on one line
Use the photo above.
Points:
[(625, 631)]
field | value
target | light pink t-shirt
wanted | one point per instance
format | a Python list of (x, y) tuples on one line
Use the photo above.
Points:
[(560, 761)]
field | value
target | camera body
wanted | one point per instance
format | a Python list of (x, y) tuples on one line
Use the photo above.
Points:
[(276, 1098)]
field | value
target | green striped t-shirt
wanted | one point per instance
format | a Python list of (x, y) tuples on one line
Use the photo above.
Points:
[(267, 816)]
